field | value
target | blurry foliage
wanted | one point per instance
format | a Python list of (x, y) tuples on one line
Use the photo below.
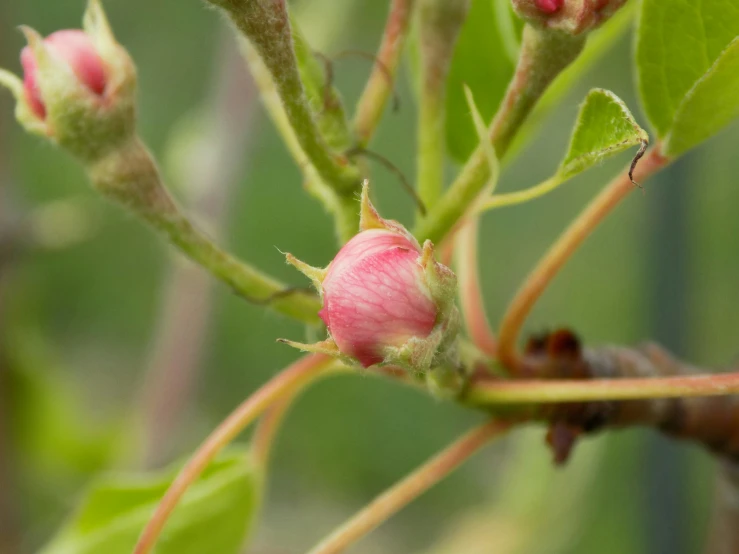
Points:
[(214, 516), (95, 303)]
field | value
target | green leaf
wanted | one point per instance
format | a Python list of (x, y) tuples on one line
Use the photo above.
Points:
[(53, 430), (604, 127), (324, 100), (483, 60), (677, 43), (710, 105), (214, 515), (482, 63), (599, 43)]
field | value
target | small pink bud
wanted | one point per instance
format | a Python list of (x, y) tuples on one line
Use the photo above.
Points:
[(375, 296), (386, 300), (75, 48), (549, 6)]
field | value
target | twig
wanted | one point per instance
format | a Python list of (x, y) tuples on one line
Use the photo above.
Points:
[(410, 488), (470, 292), (562, 250), (544, 391), (344, 208), (381, 82), (439, 24), (380, 66), (267, 28), (129, 176), (287, 382), (264, 435), (589, 390)]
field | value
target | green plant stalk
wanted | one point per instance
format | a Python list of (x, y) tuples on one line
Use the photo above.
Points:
[(285, 384), (544, 54), (325, 101), (547, 391), (565, 246), (410, 488), (129, 176), (344, 208), (431, 145), (521, 196), (266, 25), (439, 25), (598, 43), (472, 305), (380, 85)]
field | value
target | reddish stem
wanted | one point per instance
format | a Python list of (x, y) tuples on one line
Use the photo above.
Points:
[(470, 292), (381, 82), (562, 251), (407, 490), (286, 383)]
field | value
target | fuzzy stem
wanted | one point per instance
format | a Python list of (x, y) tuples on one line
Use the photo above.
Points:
[(288, 382), (266, 25), (129, 176), (410, 488), (544, 54), (343, 208), (380, 85), (470, 292), (562, 250), (324, 100), (431, 147), (615, 387), (439, 25)]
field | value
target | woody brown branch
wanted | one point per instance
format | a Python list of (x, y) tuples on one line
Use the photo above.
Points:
[(711, 421)]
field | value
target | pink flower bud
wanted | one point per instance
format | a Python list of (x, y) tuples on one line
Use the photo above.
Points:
[(549, 6), (386, 300), (375, 296), (73, 47)]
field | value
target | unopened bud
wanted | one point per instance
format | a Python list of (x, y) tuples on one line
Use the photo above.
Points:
[(78, 87), (385, 299), (72, 47)]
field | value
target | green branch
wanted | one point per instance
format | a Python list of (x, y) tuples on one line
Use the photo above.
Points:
[(130, 176), (544, 54), (265, 23)]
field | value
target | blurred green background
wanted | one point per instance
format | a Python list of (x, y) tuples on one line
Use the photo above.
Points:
[(79, 324)]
